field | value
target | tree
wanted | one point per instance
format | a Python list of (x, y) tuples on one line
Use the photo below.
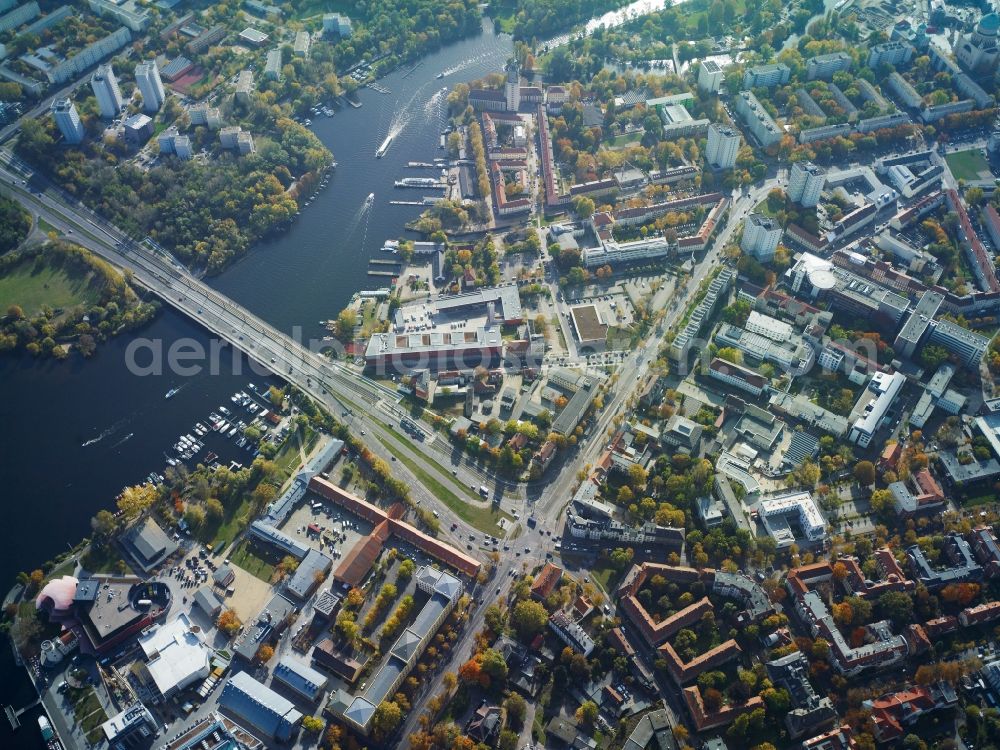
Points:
[(386, 718), (517, 709), (346, 321), (507, 740), (276, 396), (264, 653), (730, 354), (405, 572), (897, 607), (493, 664), (312, 724), (214, 510), (621, 557), (103, 524), (229, 623), (528, 619), (864, 473), (587, 713), (135, 500), (583, 206), (933, 356)]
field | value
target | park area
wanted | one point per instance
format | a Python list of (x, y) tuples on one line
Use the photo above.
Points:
[(34, 284), (969, 165)]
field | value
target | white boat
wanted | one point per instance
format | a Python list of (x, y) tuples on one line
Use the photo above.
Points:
[(380, 151), (233, 432), (390, 246), (370, 200)]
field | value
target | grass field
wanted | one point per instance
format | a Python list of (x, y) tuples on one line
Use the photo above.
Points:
[(620, 141), (485, 518), (251, 562), (288, 458), (966, 165), (232, 524), (33, 287)]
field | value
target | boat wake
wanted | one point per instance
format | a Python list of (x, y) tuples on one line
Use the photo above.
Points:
[(432, 106), (110, 431), (124, 440)]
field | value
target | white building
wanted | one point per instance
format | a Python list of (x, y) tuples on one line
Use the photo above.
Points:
[(228, 136), (890, 53), (68, 121), (772, 328), (147, 78), (757, 119), (126, 12), (887, 386), (766, 75), (335, 23), (272, 68), (109, 96), (244, 86), (824, 66), (176, 656), (244, 144), (710, 77), (723, 146), (512, 88), (179, 145), (202, 114), (302, 43), (978, 52), (776, 512), (761, 235), (805, 185)]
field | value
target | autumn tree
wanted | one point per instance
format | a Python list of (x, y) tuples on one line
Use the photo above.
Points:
[(229, 623), (136, 499), (386, 719), (312, 724), (587, 713), (528, 618), (864, 473), (264, 653)]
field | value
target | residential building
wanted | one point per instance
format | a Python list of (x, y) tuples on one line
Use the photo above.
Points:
[(892, 714), (300, 47), (244, 86), (202, 114), (570, 633), (723, 146), (891, 53), (761, 235), (777, 512), (68, 121), (274, 716), (109, 96), (810, 712), (147, 78), (546, 581), (19, 16), (680, 349), (337, 23), (959, 562), (253, 37), (272, 67), (805, 184), (512, 86), (757, 119), (127, 12), (710, 76), (824, 66), (766, 76)]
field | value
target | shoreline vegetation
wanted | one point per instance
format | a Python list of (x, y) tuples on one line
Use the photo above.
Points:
[(58, 296)]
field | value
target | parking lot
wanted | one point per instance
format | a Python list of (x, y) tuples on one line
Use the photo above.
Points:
[(338, 531)]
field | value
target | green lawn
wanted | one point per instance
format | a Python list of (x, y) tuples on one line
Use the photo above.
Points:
[(620, 141), (966, 165), (763, 208), (88, 712), (45, 226), (288, 457), (232, 524), (33, 286), (251, 562), (604, 575), (483, 517)]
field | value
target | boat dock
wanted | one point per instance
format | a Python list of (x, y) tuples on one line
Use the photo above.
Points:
[(386, 274), (352, 102), (381, 262), (379, 88), (15, 716)]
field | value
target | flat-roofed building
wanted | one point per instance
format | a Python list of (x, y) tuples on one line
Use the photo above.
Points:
[(109, 95), (68, 121), (761, 235), (710, 76), (757, 119), (824, 66), (300, 678), (723, 146), (176, 657), (873, 411), (214, 732), (779, 513), (766, 76), (263, 709)]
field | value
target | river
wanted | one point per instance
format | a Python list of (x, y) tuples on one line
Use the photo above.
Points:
[(77, 432)]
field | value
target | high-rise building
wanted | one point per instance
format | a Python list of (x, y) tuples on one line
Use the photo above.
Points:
[(760, 237), (147, 78), (68, 120), (109, 96), (806, 183), (710, 77), (723, 146), (512, 90)]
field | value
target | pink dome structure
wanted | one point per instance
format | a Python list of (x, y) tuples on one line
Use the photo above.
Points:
[(58, 594)]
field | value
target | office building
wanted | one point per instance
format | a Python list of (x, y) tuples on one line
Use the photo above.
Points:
[(147, 78), (871, 412), (709, 77), (805, 185), (176, 657), (890, 53), (766, 76), (967, 345), (68, 121), (138, 129), (109, 96), (214, 732), (917, 324), (824, 66), (761, 235), (723, 146)]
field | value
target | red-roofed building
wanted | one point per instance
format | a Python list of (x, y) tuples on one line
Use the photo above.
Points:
[(704, 719), (839, 738), (979, 614), (891, 713), (546, 581), (890, 456)]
